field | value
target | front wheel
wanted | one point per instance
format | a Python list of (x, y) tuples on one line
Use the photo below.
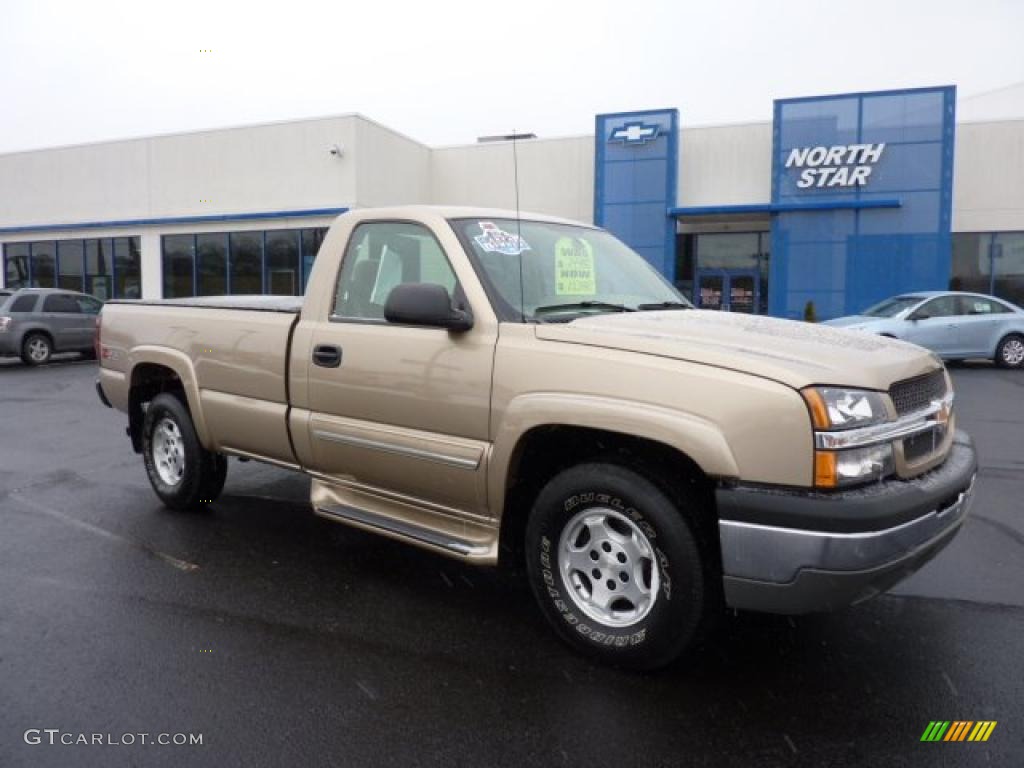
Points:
[(616, 567), (183, 473), (1010, 352)]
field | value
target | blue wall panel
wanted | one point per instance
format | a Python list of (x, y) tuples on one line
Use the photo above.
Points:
[(844, 261), (636, 157)]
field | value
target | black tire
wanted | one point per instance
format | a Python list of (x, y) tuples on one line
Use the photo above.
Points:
[(202, 473), (1010, 352), (36, 349), (684, 591)]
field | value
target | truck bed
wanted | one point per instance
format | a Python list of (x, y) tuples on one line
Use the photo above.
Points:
[(231, 350), (288, 304)]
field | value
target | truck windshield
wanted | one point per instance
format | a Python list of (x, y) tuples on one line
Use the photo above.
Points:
[(543, 272)]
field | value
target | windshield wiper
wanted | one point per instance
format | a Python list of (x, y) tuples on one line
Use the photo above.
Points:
[(664, 305), (569, 306)]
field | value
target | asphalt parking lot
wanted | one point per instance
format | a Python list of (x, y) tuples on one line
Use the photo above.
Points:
[(285, 639)]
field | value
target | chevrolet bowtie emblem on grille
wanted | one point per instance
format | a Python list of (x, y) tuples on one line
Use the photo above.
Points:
[(634, 133)]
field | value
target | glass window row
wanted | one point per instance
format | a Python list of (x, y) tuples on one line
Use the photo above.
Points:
[(989, 262), (273, 261), (108, 268)]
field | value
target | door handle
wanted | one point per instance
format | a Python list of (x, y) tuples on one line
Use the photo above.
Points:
[(327, 356)]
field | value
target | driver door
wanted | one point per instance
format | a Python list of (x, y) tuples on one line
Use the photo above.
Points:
[(399, 408)]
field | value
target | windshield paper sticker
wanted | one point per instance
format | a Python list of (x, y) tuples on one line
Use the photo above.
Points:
[(574, 268), (495, 240)]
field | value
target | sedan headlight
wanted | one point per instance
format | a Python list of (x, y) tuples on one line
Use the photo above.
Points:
[(836, 410)]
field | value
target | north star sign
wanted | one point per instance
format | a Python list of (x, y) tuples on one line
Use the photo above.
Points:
[(634, 133), (847, 165)]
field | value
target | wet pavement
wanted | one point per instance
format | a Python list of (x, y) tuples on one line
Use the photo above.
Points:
[(284, 639)]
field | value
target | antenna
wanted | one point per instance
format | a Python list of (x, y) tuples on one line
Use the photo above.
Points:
[(519, 229)]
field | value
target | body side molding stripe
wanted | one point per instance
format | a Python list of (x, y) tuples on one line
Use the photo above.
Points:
[(416, 453)]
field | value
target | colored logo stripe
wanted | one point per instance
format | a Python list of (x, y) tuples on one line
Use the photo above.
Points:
[(982, 730), (958, 730)]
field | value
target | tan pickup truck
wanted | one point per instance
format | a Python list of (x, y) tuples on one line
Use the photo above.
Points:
[(528, 389)]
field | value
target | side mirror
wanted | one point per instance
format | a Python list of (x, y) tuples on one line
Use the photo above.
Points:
[(425, 304), (919, 315)]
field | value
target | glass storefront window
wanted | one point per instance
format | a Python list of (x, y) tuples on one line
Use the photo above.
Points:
[(44, 264), (283, 276), (69, 265), (77, 265), (1008, 267), (178, 258), (127, 268), (16, 265), (312, 239), (274, 261), (212, 264), (98, 263), (993, 263), (246, 250)]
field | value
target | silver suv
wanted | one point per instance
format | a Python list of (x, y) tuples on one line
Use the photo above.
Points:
[(36, 322)]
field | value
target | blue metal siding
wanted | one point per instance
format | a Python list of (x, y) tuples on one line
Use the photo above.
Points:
[(845, 260), (635, 181)]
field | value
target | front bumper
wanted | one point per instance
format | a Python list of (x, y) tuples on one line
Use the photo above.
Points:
[(800, 551)]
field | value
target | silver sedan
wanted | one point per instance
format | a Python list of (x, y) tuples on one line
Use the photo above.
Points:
[(954, 325)]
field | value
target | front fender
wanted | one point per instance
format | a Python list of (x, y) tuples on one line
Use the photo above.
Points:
[(690, 434)]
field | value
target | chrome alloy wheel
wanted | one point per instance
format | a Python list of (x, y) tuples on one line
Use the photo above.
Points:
[(168, 451), (1013, 352), (608, 564), (38, 350)]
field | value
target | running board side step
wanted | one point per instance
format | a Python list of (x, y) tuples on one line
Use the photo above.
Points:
[(402, 529)]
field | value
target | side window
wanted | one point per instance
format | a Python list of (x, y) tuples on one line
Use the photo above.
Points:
[(88, 305), (944, 306), (23, 304), (382, 255), (979, 306), (61, 303)]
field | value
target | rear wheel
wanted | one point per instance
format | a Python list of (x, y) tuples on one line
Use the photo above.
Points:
[(1010, 352), (36, 349), (616, 567), (183, 473)]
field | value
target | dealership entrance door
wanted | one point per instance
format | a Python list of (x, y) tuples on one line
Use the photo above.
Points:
[(724, 270), (731, 290)]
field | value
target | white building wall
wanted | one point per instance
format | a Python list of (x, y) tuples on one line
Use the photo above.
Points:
[(277, 167), (725, 165), (556, 176), (391, 169), (988, 177), (281, 166)]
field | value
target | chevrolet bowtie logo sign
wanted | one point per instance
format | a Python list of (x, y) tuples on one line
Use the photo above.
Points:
[(634, 133)]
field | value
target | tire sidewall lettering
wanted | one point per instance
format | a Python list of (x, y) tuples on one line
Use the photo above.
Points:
[(601, 637)]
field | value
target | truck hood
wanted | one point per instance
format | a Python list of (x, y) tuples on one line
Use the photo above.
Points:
[(793, 353)]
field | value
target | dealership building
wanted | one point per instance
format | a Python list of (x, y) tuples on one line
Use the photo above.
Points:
[(837, 202)]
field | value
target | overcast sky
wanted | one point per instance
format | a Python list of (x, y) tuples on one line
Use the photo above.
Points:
[(446, 72)]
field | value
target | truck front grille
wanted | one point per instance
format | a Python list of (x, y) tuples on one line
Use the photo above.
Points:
[(914, 394)]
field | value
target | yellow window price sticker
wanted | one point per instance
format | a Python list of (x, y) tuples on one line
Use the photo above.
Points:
[(575, 274)]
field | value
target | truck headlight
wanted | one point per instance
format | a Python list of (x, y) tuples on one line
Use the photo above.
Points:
[(5, 323), (855, 466), (836, 410)]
